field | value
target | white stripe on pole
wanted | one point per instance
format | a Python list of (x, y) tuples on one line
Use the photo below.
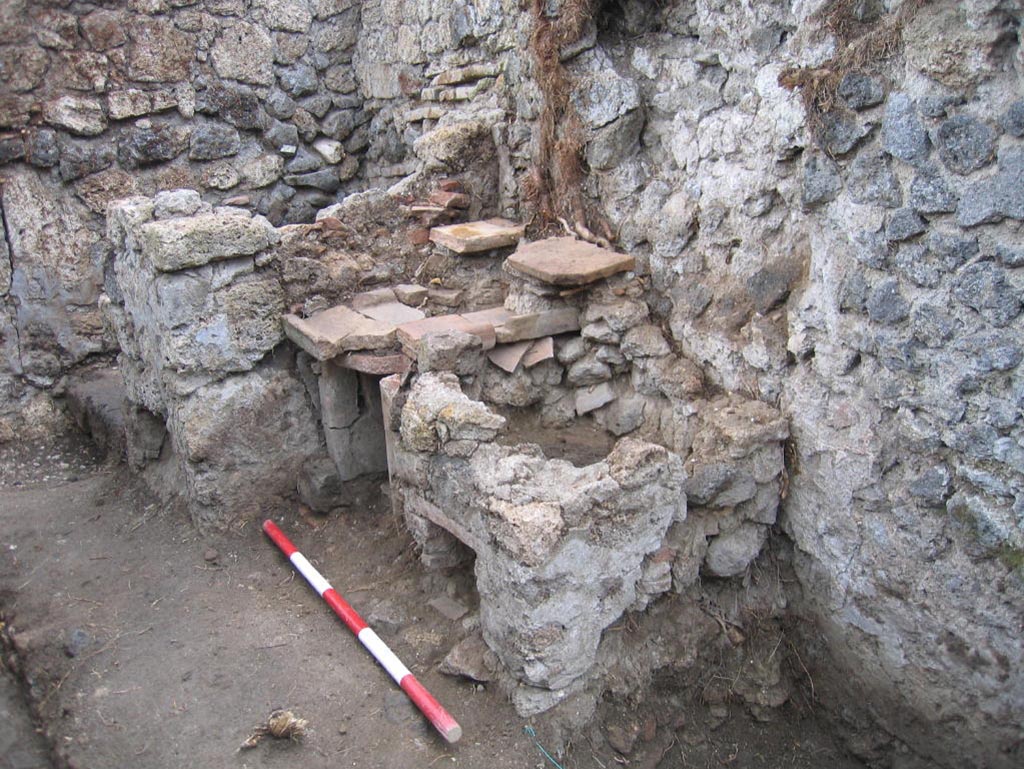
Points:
[(313, 577), (383, 654)]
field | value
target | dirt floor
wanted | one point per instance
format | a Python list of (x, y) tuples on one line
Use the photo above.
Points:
[(138, 642)]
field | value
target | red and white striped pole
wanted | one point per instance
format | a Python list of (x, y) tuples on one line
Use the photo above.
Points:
[(424, 700)]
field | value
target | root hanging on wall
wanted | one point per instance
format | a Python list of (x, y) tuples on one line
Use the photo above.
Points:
[(555, 181), (859, 44)]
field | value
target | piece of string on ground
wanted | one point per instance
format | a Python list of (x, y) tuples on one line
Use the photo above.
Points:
[(532, 734)]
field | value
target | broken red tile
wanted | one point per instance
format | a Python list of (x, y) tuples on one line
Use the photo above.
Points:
[(450, 185), (419, 236), (392, 312), (449, 199), (540, 350), (507, 357), (381, 295), (378, 365)]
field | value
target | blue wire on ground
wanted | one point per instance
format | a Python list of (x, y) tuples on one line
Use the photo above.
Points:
[(532, 734)]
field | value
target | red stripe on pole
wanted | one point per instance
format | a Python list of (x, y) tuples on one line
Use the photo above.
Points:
[(424, 700), (431, 708), (279, 538), (348, 615)]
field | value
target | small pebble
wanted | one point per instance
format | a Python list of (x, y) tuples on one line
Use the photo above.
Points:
[(210, 555)]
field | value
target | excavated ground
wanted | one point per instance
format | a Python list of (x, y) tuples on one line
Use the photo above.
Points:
[(136, 640)]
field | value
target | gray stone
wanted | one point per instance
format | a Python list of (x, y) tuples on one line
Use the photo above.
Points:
[(840, 133), (931, 487), (11, 148), (303, 162), (211, 141), (1012, 120), (991, 200), (235, 104), (450, 350), (822, 181), (860, 91), (78, 641), (730, 554), (930, 193), (157, 143), (227, 476), (279, 104), (903, 134), (297, 80), (326, 180), (353, 421), (318, 105), (1010, 256), (41, 149), (78, 159), (870, 179), (951, 249), (615, 142), (992, 351), (602, 94), (171, 203), (916, 263), (934, 325), (983, 287), (588, 370), (903, 224), (886, 304), (280, 135), (965, 144), (319, 486), (471, 658), (871, 249)]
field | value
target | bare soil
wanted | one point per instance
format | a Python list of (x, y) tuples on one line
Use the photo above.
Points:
[(140, 642), (582, 443)]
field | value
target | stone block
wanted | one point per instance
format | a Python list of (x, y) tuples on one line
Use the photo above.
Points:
[(903, 133), (372, 363), (730, 554), (244, 52), (450, 350), (477, 237), (230, 472), (328, 333), (588, 399), (567, 261), (174, 244), (965, 144), (211, 141), (76, 114), (537, 325), (319, 486), (157, 51), (353, 421)]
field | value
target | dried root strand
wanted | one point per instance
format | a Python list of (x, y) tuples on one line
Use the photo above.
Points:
[(859, 44), (280, 725)]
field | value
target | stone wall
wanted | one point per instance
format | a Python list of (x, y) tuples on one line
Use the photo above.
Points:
[(251, 100), (853, 261)]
